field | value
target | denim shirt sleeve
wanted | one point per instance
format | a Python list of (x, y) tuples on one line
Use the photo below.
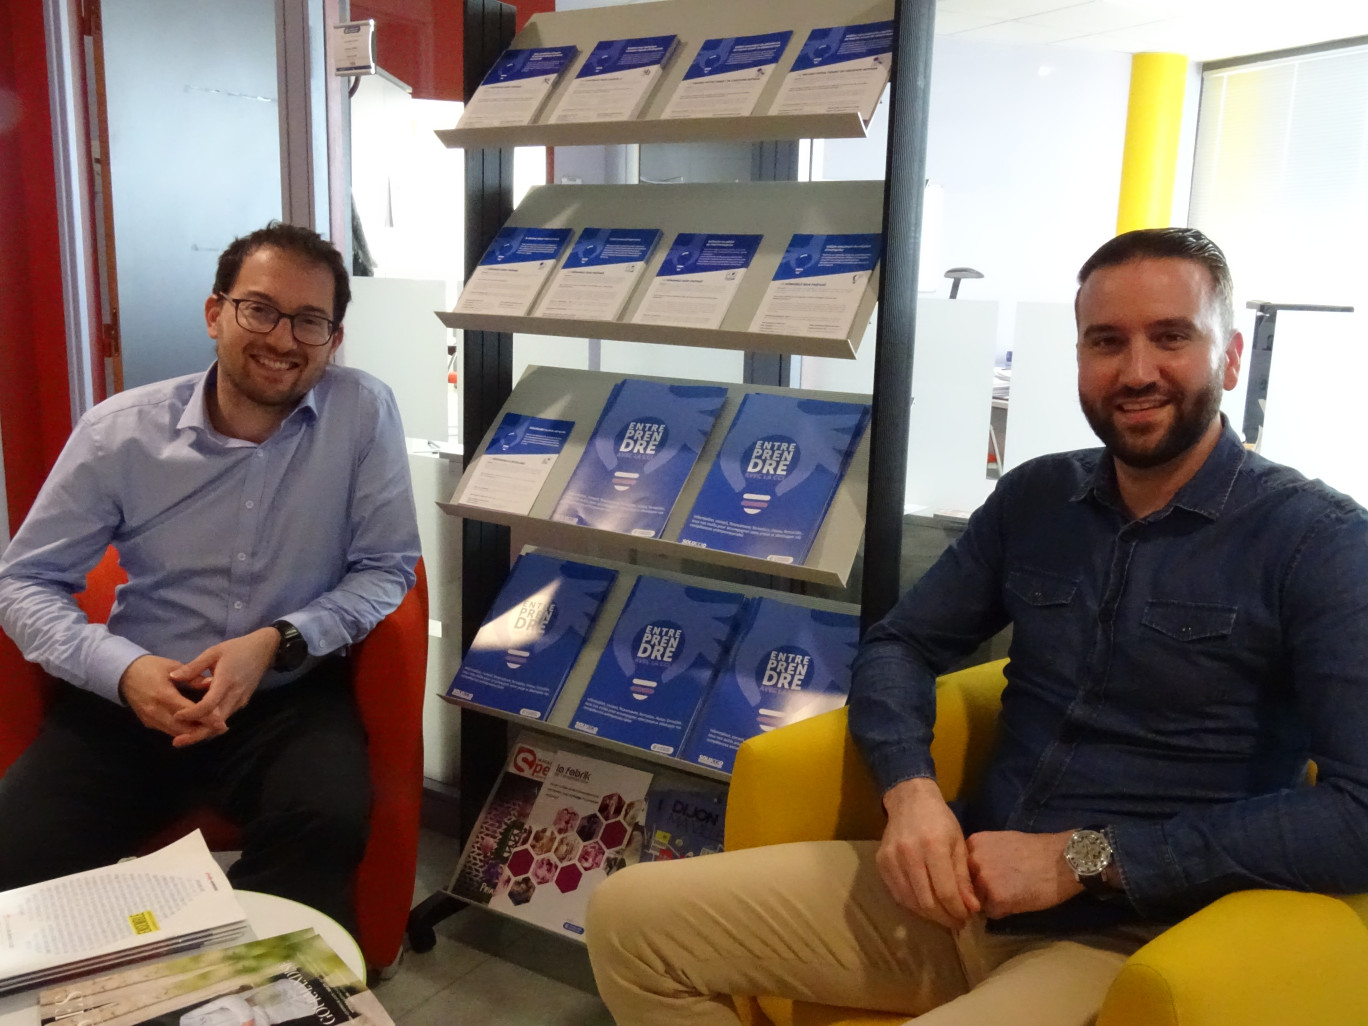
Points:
[(952, 609), (1309, 838)]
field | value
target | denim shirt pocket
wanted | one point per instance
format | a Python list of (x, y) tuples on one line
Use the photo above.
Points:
[(1190, 622), (1040, 589), (1047, 629)]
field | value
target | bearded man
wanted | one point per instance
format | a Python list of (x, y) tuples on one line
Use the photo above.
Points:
[(1188, 630)]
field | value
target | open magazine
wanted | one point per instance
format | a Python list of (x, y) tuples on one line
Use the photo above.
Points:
[(294, 978), (172, 900)]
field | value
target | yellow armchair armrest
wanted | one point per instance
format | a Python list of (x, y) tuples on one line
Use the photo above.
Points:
[(807, 781), (1256, 958)]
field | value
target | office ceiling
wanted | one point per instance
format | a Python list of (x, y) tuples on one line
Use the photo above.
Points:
[(1202, 29)]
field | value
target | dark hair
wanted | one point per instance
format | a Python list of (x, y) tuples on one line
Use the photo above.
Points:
[(303, 242), (1175, 243)]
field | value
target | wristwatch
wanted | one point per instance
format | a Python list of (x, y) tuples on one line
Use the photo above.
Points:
[(1089, 854), (292, 650)]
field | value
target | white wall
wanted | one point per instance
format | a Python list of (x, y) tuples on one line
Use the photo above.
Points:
[(1026, 143)]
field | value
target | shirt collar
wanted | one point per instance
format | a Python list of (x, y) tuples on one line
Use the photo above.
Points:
[(1205, 493), (195, 416)]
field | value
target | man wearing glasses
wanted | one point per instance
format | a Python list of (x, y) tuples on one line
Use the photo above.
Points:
[(264, 515)]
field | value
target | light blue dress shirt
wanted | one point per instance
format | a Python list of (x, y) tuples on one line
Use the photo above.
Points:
[(219, 536)]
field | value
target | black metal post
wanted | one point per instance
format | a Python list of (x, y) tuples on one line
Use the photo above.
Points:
[(914, 28)]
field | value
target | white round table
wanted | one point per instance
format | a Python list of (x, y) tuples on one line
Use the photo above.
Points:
[(267, 916)]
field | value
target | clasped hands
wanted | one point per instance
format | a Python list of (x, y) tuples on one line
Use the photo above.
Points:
[(933, 870), (224, 676)]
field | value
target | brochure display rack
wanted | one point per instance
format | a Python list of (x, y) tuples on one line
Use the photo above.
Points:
[(774, 210), (859, 230)]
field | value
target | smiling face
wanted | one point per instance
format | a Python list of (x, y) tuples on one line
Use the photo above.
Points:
[(263, 375), (1153, 359)]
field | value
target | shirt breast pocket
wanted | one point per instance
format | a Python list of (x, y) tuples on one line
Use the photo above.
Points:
[(1195, 624), (1044, 609)]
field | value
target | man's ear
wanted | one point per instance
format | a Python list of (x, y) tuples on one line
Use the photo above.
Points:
[(337, 341), (1234, 351), (213, 308)]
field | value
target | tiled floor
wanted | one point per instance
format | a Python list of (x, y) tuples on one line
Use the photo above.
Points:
[(487, 970)]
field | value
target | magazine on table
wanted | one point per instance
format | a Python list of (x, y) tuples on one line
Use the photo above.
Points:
[(789, 662), (664, 651), (643, 447), (532, 635), (585, 824), (294, 979), (778, 469), (173, 899)]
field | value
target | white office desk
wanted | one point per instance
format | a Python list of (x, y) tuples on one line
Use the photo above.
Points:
[(267, 916)]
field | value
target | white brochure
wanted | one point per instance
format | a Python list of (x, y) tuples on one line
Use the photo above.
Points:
[(616, 79), (510, 473), (516, 87), (727, 76), (600, 272), (697, 280), (513, 271), (838, 70), (819, 285)]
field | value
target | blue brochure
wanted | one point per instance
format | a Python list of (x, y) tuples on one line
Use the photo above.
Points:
[(737, 53), (602, 247), (600, 272), (532, 636), (515, 65), (815, 256), (613, 55), (520, 434), (658, 665), (525, 246), (826, 46), (788, 663), (772, 483), (643, 447)]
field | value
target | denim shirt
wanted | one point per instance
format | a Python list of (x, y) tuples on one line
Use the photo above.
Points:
[(1169, 676)]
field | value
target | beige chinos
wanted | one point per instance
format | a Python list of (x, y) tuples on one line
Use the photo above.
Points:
[(671, 941)]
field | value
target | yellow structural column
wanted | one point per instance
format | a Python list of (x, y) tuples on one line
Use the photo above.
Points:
[(1154, 120)]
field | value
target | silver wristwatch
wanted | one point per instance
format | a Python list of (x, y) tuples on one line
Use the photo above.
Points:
[(1088, 854)]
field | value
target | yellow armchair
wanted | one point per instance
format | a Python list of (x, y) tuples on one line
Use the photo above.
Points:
[(1256, 958)]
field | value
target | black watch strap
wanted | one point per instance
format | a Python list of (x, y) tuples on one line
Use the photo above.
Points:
[(292, 650)]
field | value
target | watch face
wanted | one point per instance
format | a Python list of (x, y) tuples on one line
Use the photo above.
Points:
[(1087, 853)]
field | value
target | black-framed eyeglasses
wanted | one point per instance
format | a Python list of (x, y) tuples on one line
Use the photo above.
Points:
[(309, 328)]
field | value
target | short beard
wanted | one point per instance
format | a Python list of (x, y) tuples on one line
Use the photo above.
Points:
[(1194, 415)]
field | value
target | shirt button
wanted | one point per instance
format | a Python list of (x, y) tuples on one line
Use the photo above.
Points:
[(237, 605), (241, 556), (251, 504)]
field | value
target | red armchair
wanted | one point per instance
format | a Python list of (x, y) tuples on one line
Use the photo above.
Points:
[(389, 673)]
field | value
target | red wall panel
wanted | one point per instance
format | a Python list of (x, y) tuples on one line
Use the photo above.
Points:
[(420, 41), (35, 408)]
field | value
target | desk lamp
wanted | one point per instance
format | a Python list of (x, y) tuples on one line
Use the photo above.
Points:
[(958, 274)]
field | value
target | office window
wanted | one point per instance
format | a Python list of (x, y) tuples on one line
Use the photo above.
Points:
[(1281, 183)]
